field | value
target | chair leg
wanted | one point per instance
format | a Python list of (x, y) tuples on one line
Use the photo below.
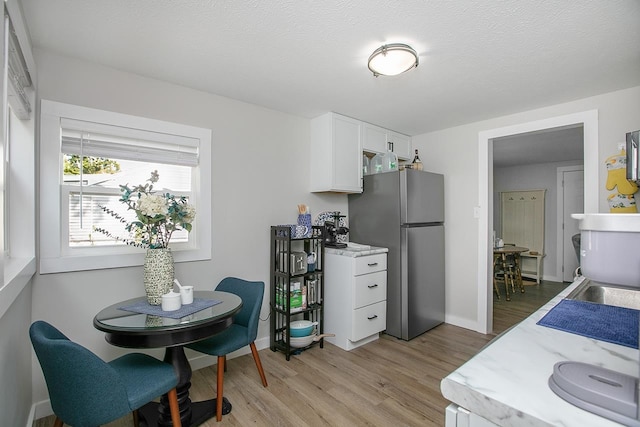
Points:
[(174, 408), (219, 394), (256, 357), (136, 418), (58, 422)]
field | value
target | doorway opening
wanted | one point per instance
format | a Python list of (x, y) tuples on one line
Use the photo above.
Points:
[(589, 121)]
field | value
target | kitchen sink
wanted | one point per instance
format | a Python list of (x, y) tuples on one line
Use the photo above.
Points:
[(605, 293)]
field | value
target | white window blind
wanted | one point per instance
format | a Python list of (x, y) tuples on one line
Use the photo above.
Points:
[(70, 204), (18, 75), (85, 138)]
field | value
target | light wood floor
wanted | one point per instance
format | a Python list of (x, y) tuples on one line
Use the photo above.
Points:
[(387, 382)]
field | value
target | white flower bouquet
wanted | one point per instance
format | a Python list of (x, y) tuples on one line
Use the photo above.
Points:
[(157, 215)]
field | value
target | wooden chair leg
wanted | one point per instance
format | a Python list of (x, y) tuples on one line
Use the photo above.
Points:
[(219, 394), (174, 408), (224, 362), (58, 422), (256, 357), (495, 282), (136, 418)]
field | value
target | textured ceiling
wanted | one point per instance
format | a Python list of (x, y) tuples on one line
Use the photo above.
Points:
[(478, 59)]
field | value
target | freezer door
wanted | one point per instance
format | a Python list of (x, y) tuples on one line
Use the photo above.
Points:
[(423, 279), (421, 197)]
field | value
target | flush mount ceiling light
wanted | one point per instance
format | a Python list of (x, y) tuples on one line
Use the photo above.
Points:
[(392, 59)]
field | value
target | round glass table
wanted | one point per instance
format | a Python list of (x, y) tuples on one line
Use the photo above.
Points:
[(139, 330)]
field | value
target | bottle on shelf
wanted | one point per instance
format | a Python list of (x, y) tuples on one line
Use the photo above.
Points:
[(389, 159), (366, 165), (376, 163), (417, 163)]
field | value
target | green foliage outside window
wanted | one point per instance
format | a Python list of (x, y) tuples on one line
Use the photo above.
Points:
[(90, 165)]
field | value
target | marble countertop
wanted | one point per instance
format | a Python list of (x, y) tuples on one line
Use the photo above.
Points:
[(506, 382), (356, 251)]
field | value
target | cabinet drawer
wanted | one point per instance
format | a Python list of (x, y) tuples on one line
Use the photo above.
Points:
[(370, 288), (370, 264), (369, 320)]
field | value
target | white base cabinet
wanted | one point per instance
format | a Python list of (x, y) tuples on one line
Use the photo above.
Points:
[(457, 416), (355, 300)]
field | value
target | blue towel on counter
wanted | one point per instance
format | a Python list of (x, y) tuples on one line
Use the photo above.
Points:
[(144, 307), (617, 325)]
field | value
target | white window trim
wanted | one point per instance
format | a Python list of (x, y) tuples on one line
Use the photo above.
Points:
[(54, 255)]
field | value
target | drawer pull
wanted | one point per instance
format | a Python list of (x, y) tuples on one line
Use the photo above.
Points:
[(372, 264), (372, 286), (375, 316)]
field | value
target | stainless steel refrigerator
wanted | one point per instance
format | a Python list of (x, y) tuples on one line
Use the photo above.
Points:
[(404, 211)]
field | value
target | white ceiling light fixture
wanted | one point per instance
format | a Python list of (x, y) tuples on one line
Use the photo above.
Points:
[(392, 59)]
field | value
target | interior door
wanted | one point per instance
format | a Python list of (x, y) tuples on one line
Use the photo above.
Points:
[(573, 202)]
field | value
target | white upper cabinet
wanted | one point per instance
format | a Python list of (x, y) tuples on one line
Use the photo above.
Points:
[(375, 140), (401, 145), (336, 154)]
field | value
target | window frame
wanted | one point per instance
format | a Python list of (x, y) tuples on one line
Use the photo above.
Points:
[(55, 253)]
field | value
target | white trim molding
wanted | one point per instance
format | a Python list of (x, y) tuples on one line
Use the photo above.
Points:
[(589, 121)]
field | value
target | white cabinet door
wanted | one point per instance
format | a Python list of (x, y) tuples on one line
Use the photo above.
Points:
[(401, 145), (336, 154), (374, 138), (355, 306)]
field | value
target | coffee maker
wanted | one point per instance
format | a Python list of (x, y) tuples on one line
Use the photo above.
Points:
[(333, 230)]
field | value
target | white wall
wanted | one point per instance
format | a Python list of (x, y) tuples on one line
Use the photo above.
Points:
[(260, 174), (534, 177), (15, 360), (454, 152)]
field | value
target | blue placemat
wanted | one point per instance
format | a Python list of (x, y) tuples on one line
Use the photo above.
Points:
[(145, 308), (618, 325)]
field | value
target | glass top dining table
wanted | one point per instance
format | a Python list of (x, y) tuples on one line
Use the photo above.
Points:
[(137, 330)]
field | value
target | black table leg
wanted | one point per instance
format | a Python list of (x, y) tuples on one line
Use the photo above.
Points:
[(191, 413)]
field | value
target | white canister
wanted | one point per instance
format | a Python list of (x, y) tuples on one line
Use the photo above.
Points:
[(171, 301), (186, 294)]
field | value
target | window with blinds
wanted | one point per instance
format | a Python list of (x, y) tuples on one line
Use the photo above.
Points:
[(87, 155), (130, 155)]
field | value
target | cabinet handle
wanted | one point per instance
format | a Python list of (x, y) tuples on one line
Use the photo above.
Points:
[(372, 286), (372, 264), (375, 316)]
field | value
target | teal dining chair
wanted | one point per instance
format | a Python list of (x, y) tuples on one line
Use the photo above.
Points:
[(241, 333), (86, 391)]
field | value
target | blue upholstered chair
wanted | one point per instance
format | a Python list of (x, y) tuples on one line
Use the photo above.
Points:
[(242, 332), (87, 391)]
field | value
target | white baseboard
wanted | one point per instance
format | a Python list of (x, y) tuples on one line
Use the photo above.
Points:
[(461, 322), (32, 417)]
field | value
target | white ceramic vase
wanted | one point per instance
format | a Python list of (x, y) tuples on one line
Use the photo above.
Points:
[(158, 274)]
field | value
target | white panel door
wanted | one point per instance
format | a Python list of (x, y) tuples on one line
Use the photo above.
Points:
[(522, 214)]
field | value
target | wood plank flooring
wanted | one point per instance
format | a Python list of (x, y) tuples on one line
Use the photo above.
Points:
[(387, 382)]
